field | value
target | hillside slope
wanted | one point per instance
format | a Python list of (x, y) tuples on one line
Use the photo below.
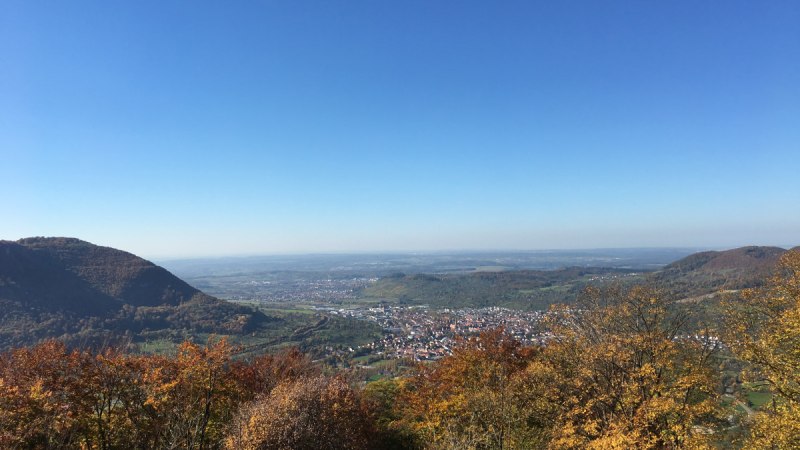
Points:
[(520, 289), (713, 271), (87, 294)]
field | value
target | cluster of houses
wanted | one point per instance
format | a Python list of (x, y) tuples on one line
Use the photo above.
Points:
[(419, 333)]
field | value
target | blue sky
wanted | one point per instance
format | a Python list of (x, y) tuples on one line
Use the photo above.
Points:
[(212, 128)]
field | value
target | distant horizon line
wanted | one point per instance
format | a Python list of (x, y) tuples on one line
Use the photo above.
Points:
[(389, 252), (454, 252)]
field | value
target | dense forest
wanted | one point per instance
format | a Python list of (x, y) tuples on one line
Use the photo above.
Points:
[(619, 371), (86, 294)]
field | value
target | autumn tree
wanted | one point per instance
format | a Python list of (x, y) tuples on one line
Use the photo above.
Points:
[(383, 401), (39, 404), (307, 413), (51, 397), (624, 375), (106, 390), (764, 330), (474, 398), (193, 395), (260, 374)]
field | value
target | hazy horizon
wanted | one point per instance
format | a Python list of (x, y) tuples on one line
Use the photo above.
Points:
[(410, 252), (207, 130)]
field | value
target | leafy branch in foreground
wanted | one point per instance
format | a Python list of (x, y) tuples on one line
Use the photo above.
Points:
[(624, 376), (763, 328)]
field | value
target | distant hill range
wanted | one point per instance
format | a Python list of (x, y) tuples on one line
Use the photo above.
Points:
[(518, 289), (91, 295), (699, 274), (709, 272)]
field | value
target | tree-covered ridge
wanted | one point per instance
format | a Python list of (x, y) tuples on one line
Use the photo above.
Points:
[(87, 294), (708, 272), (520, 289), (123, 277)]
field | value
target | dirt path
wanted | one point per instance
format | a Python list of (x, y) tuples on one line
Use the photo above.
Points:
[(746, 408), (744, 405)]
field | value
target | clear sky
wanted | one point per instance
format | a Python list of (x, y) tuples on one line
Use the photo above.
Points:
[(193, 128)]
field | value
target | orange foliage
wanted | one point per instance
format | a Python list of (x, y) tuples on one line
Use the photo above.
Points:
[(473, 399), (51, 397), (262, 373), (306, 413)]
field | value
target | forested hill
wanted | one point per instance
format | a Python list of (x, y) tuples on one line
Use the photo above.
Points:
[(520, 289), (49, 269), (713, 271), (74, 290)]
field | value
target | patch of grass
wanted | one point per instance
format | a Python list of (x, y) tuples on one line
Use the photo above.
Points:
[(381, 363), (375, 377), (278, 310), (158, 346), (758, 399)]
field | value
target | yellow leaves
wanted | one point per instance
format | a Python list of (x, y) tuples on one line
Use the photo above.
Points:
[(37, 392), (778, 429), (627, 383), (475, 398), (614, 441), (765, 328)]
